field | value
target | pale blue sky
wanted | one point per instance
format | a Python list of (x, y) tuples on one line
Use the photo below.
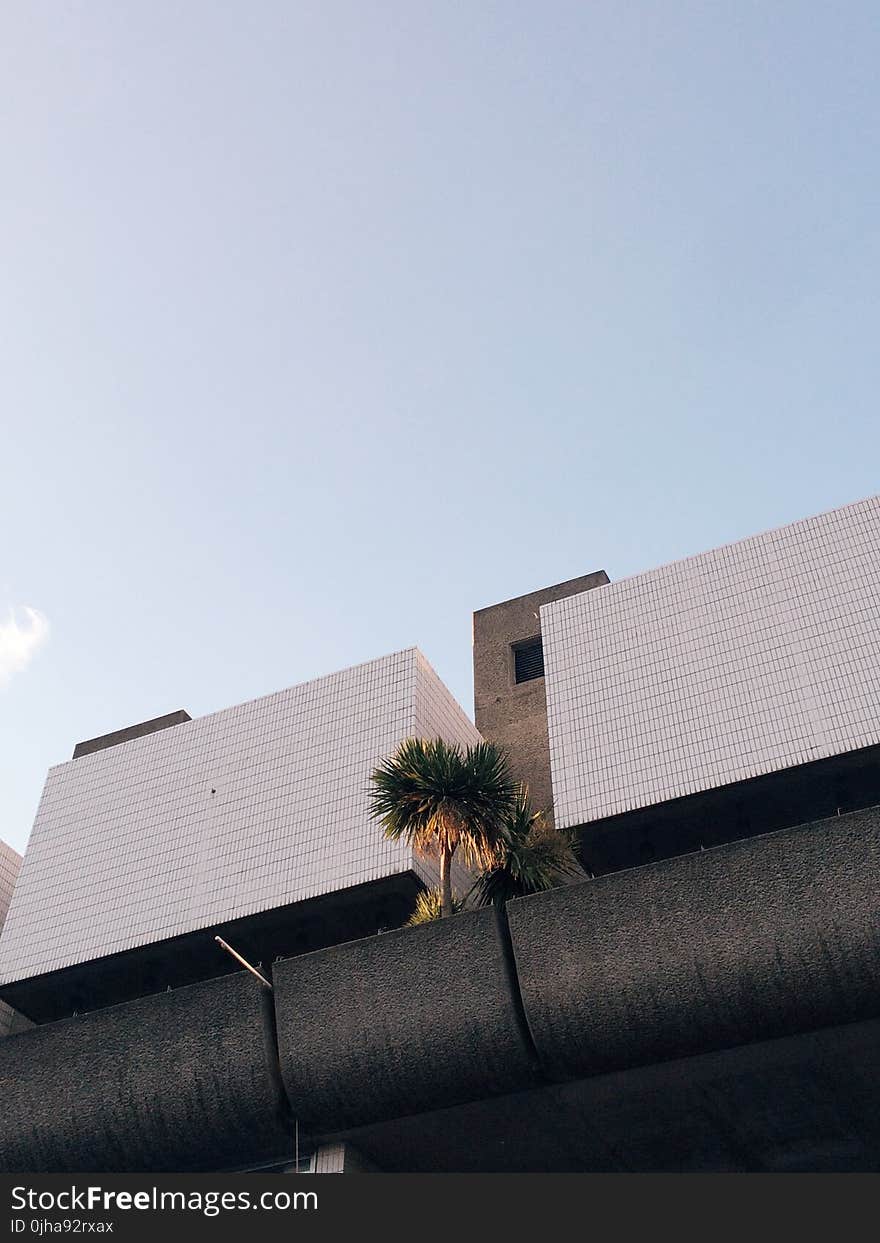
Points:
[(323, 324)]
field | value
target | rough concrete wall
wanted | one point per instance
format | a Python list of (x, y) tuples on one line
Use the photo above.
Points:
[(398, 1023), (90, 745), (802, 1103), (752, 941), (11, 1021), (182, 1080), (744, 942), (515, 716)]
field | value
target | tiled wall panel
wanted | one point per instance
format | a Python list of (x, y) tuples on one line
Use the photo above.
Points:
[(748, 659), (10, 862), (247, 809)]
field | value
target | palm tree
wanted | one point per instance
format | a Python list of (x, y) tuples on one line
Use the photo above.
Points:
[(427, 907), (441, 799), (535, 857)]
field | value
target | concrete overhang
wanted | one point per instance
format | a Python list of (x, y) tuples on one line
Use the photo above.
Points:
[(714, 1011)]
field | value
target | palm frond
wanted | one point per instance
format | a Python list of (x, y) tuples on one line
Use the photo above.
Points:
[(536, 857), (436, 796), (428, 907)]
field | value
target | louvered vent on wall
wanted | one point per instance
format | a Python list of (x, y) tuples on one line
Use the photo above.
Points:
[(528, 661)]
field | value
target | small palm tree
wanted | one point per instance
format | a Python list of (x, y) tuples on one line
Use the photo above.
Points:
[(535, 857), (442, 799), (427, 907)]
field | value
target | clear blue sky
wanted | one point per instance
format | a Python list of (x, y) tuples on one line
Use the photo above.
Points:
[(323, 324)]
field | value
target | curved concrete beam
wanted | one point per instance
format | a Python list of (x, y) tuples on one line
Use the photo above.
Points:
[(177, 1081), (402, 1022), (761, 938), (807, 1102)]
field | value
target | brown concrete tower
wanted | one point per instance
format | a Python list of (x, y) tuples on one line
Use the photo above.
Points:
[(510, 705)]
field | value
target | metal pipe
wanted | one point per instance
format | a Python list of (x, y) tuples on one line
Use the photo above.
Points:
[(244, 962)]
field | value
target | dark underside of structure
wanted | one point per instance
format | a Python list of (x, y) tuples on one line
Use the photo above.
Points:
[(731, 813), (716, 1011), (344, 915), (803, 1103)]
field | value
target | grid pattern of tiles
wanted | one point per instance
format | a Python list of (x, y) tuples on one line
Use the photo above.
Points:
[(754, 657), (438, 715), (241, 811), (10, 862)]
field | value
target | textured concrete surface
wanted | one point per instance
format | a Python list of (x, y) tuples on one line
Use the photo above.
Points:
[(182, 1080), (744, 942), (714, 1011), (515, 716), (802, 1103), (399, 1023), (90, 745)]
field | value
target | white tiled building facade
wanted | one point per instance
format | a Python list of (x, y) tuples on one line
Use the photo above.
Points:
[(740, 662), (10, 862), (748, 659), (247, 809)]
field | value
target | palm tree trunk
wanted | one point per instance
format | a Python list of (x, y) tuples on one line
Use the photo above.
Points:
[(445, 883)]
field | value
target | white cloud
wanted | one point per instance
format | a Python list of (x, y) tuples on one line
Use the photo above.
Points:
[(20, 641)]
